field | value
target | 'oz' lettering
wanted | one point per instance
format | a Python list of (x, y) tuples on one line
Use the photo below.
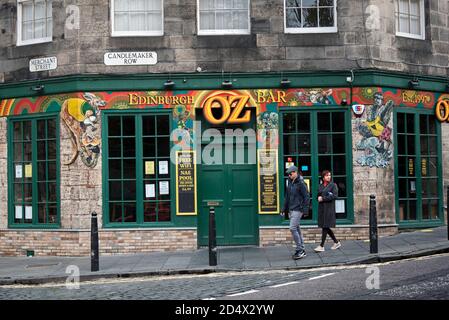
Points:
[(233, 117), (440, 114)]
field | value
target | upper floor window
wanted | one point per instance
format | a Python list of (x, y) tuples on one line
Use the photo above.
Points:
[(410, 19), (34, 21), (223, 17), (137, 17), (310, 16)]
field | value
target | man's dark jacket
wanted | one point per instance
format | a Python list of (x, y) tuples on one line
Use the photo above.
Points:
[(297, 197)]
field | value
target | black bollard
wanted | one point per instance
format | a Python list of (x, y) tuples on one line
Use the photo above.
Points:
[(373, 224), (94, 255), (212, 238), (447, 212)]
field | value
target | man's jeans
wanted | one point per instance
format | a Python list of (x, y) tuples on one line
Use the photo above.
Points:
[(295, 229)]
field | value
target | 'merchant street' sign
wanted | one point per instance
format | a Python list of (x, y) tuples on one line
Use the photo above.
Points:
[(130, 58), (43, 64)]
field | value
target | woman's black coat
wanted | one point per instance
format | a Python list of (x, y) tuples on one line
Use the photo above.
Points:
[(326, 208)]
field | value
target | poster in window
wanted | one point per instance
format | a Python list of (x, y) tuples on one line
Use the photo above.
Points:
[(339, 206), (267, 167), (28, 212), (19, 171), (185, 183), (150, 190), (28, 171), (163, 188), (163, 167), (18, 212), (149, 167)]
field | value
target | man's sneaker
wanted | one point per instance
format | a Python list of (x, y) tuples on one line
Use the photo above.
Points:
[(336, 245), (299, 255), (319, 249)]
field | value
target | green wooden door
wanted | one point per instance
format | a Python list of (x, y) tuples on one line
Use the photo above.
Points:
[(233, 184)]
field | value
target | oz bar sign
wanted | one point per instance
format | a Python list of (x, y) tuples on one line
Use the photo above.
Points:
[(130, 58), (43, 64)]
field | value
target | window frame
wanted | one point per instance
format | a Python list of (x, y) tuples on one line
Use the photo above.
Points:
[(21, 42), (333, 29), (422, 22), (135, 33), (216, 32), (139, 176), (34, 181)]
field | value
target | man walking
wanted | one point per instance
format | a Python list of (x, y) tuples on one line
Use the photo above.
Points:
[(296, 203)]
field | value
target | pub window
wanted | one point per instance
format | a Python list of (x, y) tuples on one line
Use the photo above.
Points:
[(138, 169), (418, 163), (223, 17), (316, 141), (310, 16), (34, 21), (34, 173), (137, 17)]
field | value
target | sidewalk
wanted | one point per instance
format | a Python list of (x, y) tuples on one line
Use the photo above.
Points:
[(35, 270)]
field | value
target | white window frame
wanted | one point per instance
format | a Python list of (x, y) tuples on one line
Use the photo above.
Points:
[(422, 19), (21, 42), (148, 33), (311, 29), (222, 31)]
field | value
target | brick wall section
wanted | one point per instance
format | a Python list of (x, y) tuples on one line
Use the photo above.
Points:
[(77, 243), (267, 48), (277, 236)]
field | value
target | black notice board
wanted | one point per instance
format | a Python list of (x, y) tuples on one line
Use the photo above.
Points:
[(185, 183), (268, 181)]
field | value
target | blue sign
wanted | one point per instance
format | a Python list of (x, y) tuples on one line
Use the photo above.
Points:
[(305, 168)]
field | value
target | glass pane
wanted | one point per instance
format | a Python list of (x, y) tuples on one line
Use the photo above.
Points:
[(41, 150), (129, 169), (310, 17), (27, 130), (324, 143), (163, 147), (115, 212), (290, 146), (52, 213), (404, 23), (305, 165), (28, 192), (148, 126), (412, 209), (51, 152), (149, 211), (338, 122), (42, 213), (115, 147), (130, 212), (128, 126), (326, 17), (309, 3), (42, 192), (17, 131), (423, 124), (432, 167), (433, 187), (51, 191), (17, 192), (304, 144), (323, 3), (289, 122), (434, 211), (115, 190), (324, 163), (114, 126), (402, 143), (293, 17), (424, 145), (432, 126), (425, 209), (403, 210), (411, 145), (339, 165), (341, 184), (324, 123), (401, 122), (41, 129), (129, 147), (18, 151), (415, 26), (51, 170), (410, 123), (51, 129), (338, 143), (115, 169), (121, 21), (42, 171), (149, 147), (433, 147), (303, 122), (129, 190), (163, 125), (164, 211), (402, 184)]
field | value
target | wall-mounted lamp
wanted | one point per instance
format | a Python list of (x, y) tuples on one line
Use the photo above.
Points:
[(351, 78), (169, 84), (38, 88), (413, 83), (226, 84), (285, 83)]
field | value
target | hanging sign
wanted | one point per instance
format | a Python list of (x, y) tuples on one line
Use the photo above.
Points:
[(268, 181), (185, 183)]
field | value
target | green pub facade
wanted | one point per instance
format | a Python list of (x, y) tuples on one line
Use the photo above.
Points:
[(150, 159)]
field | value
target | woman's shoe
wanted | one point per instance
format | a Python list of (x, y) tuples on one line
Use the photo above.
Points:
[(319, 249), (336, 245)]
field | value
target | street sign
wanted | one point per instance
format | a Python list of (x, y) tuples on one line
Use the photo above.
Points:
[(43, 64), (130, 58)]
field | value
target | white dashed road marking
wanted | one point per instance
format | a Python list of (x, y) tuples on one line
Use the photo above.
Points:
[(322, 276), (242, 293), (283, 284)]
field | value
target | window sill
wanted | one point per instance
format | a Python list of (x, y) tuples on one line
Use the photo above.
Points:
[(34, 41), (410, 36), (310, 30)]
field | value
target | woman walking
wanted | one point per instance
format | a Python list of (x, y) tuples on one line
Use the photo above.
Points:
[(327, 193)]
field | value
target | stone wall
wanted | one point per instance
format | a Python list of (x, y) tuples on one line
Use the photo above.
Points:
[(445, 152), (365, 39), (3, 175)]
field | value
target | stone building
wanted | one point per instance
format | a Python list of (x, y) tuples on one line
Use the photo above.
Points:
[(118, 107)]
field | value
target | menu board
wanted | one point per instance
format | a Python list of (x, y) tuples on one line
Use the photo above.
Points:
[(267, 168), (185, 183)]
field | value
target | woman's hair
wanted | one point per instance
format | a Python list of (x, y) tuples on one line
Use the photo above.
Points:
[(324, 173)]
